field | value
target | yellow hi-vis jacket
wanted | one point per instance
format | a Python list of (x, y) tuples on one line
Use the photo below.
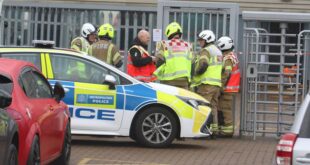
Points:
[(212, 75), (178, 56)]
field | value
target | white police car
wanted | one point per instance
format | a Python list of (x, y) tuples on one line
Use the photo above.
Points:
[(106, 101)]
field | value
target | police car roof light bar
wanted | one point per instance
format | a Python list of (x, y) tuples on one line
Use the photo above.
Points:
[(43, 43)]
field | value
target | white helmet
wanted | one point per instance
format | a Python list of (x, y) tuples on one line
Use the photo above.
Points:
[(207, 35), (225, 43), (87, 29)]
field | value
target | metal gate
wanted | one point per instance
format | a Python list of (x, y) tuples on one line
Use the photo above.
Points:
[(221, 18), (272, 89), (23, 22), (303, 50)]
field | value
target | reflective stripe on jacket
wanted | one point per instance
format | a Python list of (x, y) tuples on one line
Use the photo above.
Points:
[(143, 73), (212, 75), (80, 44), (178, 56), (233, 84), (105, 51)]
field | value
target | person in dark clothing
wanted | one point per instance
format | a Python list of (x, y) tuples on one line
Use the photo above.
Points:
[(141, 64), (141, 40)]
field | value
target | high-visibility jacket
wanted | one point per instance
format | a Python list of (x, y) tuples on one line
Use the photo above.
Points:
[(178, 56), (80, 44), (213, 74), (233, 83), (142, 73)]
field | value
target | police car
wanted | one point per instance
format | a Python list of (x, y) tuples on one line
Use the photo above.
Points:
[(106, 101)]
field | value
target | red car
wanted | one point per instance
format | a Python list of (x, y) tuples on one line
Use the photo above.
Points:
[(42, 118)]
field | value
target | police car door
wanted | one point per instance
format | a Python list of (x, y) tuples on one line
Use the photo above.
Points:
[(94, 106)]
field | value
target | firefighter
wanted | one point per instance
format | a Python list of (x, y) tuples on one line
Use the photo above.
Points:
[(88, 37), (141, 64), (174, 58), (104, 49), (230, 86), (207, 73)]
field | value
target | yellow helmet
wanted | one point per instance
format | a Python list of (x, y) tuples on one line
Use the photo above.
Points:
[(106, 30), (172, 29)]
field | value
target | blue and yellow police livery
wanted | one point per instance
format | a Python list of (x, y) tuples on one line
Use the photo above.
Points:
[(106, 101)]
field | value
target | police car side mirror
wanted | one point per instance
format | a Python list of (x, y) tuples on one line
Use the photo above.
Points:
[(59, 92), (5, 99), (110, 80)]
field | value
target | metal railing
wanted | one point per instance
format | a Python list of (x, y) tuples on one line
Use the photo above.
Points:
[(23, 22), (221, 18), (273, 87), (303, 50), (61, 22)]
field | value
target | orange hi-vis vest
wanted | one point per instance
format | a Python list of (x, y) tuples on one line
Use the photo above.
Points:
[(233, 84), (142, 73)]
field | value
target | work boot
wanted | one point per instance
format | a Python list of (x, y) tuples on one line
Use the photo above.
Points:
[(226, 131), (214, 129)]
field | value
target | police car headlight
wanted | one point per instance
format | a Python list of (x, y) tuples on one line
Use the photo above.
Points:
[(193, 102)]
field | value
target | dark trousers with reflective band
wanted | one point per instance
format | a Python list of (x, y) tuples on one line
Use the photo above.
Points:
[(181, 83), (210, 93), (226, 107)]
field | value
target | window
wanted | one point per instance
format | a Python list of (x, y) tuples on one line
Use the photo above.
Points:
[(35, 85), (68, 68), (120, 80), (6, 84), (30, 57), (44, 89), (28, 84)]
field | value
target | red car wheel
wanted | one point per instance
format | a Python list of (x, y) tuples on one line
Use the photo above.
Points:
[(34, 155)]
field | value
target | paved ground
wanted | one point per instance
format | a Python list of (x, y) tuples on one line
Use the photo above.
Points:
[(239, 151), (236, 151)]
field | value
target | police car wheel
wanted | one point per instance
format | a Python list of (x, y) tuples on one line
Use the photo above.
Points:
[(133, 136), (156, 127)]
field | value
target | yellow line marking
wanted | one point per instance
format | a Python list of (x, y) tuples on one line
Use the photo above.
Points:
[(85, 161)]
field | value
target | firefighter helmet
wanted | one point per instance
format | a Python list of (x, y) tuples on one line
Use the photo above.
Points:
[(172, 29), (207, 35), (106, 30), (87, 29), (225, 43)]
